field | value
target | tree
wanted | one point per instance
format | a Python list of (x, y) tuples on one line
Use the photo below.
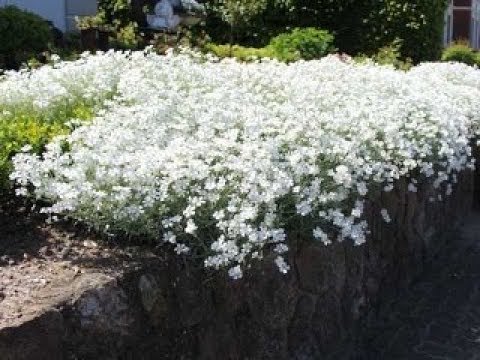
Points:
[(238, 13)]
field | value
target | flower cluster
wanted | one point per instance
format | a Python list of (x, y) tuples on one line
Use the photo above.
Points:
[(220, 158), (90, 80)]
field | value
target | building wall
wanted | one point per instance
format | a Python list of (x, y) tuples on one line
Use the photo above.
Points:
[(61, 12)]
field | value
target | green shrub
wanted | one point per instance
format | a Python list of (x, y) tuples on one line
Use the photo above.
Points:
[(359, 26), (461, 52), (240, 52), (388, 55), (116, 12), (418, 24), (23, 127), (127, 37), (22, 34), (307, 44)]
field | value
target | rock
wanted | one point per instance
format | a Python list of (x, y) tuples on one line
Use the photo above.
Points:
[(3, 260), (63, 254), (105, 310), (153, 299), (90, 244), (45, 251)]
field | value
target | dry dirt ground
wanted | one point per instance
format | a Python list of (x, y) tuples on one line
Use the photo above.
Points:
[(42, 265)]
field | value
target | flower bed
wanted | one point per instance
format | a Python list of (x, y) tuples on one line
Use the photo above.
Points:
[(37, 105), (225, 160)]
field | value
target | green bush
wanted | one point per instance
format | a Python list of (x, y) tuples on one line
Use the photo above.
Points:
[(22, 34), (307, 44), (127, 37), (359, 26), (387, 55), (461, 52), (240, 52), (25, 126), (419, 26), (116, 12)]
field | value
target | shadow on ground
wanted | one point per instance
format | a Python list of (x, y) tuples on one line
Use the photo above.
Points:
[(439, 317)]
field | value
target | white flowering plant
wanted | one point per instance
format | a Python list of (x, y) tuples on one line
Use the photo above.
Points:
[(221, 159), (37, 105)]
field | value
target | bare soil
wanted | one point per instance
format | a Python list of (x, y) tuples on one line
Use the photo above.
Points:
[(42, 265)]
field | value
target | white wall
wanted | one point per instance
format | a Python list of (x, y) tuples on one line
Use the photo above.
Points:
[(60, 12)]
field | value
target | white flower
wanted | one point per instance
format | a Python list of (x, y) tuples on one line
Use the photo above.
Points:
[(322, 236), (235, 272), (283, 267), (385, 216), (281, 248), (342, 176), (181, 144), (362, 188), (170, 237), (388, 188), (358, 209), (182, 249), (191, 227)]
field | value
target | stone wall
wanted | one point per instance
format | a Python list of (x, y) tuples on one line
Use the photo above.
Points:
[(184, 313), (165, 308)]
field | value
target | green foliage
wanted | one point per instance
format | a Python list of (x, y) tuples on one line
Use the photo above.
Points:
[(418, 24), (461, 52), (388, 55), (88, 22), (120, 18), (240, 15), (307, 44), (359, 26), (115, 12), (97, 21), (127, 37), (22, 34), (240, 52), (26, 126), (368, 25)]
